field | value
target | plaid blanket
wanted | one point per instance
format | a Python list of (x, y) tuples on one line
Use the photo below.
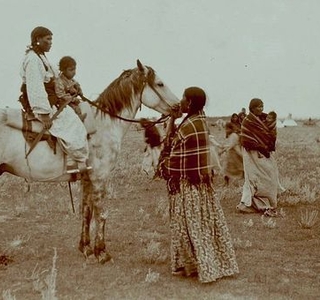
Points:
[(256, 134), (189, 157)]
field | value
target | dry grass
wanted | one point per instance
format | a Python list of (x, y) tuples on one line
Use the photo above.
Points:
[(308, 218), (278, 257), (6, 295)]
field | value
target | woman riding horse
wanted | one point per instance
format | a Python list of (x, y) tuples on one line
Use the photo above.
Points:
[(117, 104), (39, 91)]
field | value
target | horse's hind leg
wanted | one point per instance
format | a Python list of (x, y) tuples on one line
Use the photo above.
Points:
[(84, 244)]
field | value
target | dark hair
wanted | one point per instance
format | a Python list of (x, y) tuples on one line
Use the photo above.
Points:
[(39, 32), (197, 98), (66, 62), (273, 114), (255, 102), (234, 115)]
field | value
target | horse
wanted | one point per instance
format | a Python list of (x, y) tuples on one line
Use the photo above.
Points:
[(220, 123), (113, 108)]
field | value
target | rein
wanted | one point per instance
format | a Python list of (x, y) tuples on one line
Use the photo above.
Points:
[(162, 119)]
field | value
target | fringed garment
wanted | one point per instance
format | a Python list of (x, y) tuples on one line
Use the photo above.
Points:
[(200, 239)]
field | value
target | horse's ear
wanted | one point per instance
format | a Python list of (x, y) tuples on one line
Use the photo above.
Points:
[(140, 66)]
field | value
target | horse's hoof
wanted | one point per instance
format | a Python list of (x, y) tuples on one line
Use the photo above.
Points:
[(103, 257), (86, 250)]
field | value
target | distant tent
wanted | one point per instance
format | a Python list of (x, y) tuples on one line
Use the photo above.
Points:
[(289, 121), (279, 124)]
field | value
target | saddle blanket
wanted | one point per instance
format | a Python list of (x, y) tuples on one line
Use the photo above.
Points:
[(15, 119)]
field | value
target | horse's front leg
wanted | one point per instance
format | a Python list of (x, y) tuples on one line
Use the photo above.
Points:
[(100, 214), (87, 210)]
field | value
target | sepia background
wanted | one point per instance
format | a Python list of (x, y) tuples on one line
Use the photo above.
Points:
[(235, 50)]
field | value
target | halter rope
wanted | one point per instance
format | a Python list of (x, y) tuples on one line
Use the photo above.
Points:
[(162, 119)]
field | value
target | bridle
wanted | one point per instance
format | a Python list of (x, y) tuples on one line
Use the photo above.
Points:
[(145, 82)]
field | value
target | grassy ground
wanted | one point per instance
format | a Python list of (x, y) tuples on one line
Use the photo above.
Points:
[(279, 258)]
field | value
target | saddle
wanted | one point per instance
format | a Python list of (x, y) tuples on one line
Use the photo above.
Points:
[(30, 127)]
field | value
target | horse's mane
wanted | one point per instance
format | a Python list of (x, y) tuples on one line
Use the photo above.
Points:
[(118, 95)]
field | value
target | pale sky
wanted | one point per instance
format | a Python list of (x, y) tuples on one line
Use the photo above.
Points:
[(234, 49)]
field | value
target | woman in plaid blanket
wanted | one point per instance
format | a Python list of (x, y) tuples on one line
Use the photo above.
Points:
[(201, 244)]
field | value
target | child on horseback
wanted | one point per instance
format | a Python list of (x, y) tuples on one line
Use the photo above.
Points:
[(68, 89), (38, 87)]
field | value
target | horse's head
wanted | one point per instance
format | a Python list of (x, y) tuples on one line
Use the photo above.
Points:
[(134, 87), (154, 93)]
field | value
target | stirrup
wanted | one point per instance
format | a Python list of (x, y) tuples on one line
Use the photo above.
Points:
[(78, 168), (82, 166)]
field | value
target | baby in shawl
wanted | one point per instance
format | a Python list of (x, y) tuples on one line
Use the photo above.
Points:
[(271, 122)]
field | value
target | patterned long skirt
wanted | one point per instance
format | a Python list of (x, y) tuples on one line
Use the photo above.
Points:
[(200, 238)]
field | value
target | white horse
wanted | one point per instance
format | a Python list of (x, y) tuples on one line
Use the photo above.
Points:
[(220, 123), (118, 102)]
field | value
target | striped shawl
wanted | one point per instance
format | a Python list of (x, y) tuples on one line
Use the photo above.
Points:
[(256, 134)]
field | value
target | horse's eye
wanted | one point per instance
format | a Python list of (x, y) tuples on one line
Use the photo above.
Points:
[(160, 84)]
